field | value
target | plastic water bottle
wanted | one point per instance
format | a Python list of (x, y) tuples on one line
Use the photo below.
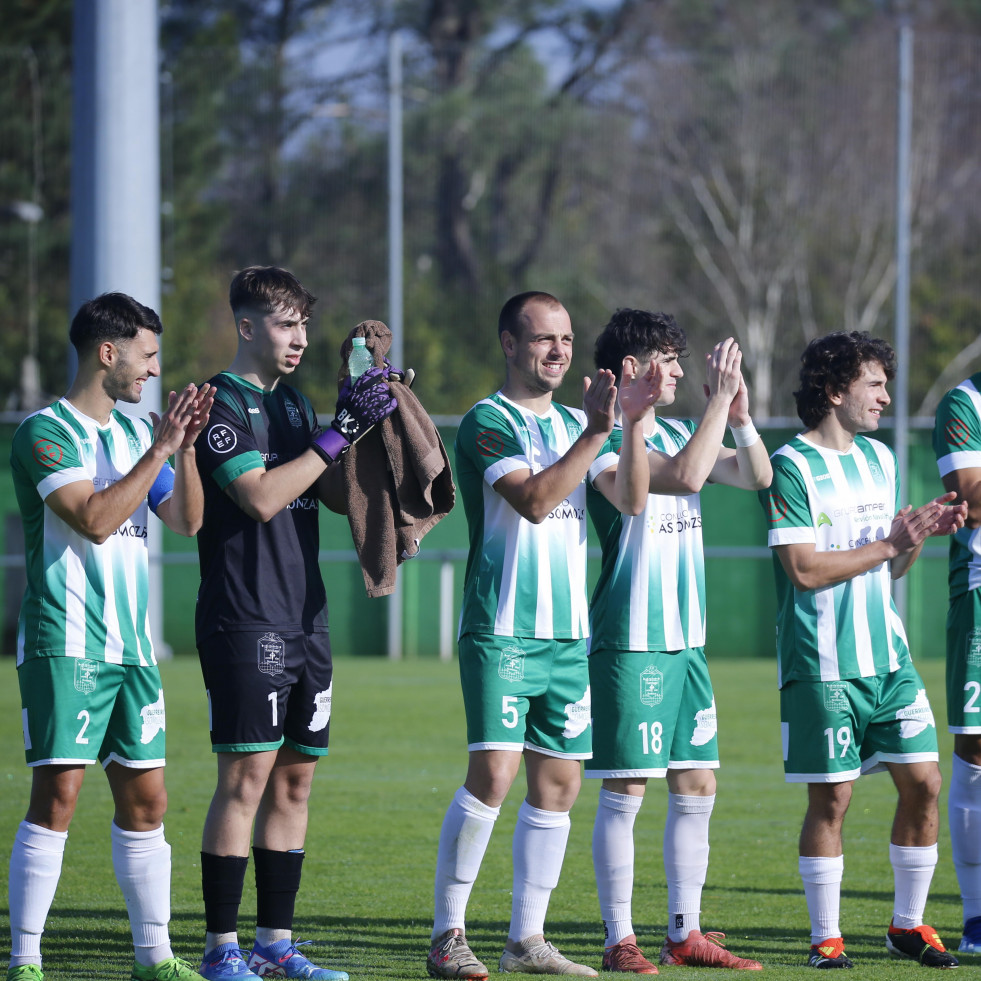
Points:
[(360, 359)]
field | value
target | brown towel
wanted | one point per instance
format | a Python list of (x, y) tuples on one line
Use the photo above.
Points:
[(397, 478)]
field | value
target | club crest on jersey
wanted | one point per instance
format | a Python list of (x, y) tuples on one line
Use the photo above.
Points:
[(272, 654), (512, 664), (293, 413), (135, 446), (86, 675), (651, 686), (876, 472), (222, 439), (836, 696), (974, 647)]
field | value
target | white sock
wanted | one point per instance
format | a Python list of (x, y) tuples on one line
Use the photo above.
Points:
[(964, 815), (141, 860), (213, 940), (822, 888), (463, 840), (912, 872), (613, 862), (686, 858), (267, 936), (35, 868), (537, 850)]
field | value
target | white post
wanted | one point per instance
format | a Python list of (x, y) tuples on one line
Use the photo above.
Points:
[(116, 181), (446, 611)]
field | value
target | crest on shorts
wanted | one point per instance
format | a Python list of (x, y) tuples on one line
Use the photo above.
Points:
[(974, 647), (651, 686), (86, 675), (272, 654), (512, 664), (836, 696)]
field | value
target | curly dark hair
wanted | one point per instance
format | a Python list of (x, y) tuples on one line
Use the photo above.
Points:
[(831, 363), (640, 334)]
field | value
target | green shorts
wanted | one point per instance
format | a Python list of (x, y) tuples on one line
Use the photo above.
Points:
[(835, 731), (520, 693), (964, 663), (651, 712), (77, 711)]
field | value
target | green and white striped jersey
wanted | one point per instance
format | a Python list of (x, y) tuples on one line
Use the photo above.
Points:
[(836, 501), (522, 579), (82, 599), (651, 591), (957, 444)]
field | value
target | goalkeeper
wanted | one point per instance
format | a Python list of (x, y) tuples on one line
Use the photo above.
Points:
[(261, 620)]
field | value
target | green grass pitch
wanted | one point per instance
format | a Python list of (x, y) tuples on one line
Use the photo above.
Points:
[(397, 756)]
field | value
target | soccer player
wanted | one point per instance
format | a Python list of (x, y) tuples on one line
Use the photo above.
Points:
[(653, 704), (957, 442), (851, 701), (261, 619), (85, 475), (521, 461)]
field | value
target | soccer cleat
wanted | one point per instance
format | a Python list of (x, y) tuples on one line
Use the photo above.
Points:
[(919, 944), (26, 972), (971, 941), (705, 950), (829, 954), (451, 957), (225, 963), (538, 956), (171, 969), (283, 960), (627, 958)]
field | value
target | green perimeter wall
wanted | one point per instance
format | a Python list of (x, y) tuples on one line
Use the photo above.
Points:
[(741, 607)]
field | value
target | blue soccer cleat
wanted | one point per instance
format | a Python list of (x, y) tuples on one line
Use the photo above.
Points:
[(283, 960), (225, 963), (971, 941)]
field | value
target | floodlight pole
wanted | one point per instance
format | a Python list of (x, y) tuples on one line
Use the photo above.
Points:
[(116, 182), (904, 131)]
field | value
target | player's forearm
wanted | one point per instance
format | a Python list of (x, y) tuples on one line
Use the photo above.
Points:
[(186, 512), (541, 493), (105, 510), (901, 564), (687, 471), (630, 483), (270, 491), (753, 463), (809, 569)]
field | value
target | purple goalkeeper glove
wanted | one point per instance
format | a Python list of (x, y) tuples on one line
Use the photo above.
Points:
[(359, 407)]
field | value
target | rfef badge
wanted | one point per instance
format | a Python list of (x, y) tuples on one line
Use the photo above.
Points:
[(272, 654)]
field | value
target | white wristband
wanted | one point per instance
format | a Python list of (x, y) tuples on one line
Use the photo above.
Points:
[(744, 435)]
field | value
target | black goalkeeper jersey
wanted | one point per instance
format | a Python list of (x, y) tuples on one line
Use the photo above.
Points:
[(256, 574)]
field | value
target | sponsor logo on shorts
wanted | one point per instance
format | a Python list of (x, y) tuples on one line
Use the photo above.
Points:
[(916, 716), (651, 686), (578, 716), (222, 439), (154, 719), (706, 725), (836, 696), (48, 454), (293, 413), (511, 667), (321, 709), (974, 647), (272, 654), (86, 675)]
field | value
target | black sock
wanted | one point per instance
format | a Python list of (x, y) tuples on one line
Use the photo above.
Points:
[(222, 879), (277, 881)]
